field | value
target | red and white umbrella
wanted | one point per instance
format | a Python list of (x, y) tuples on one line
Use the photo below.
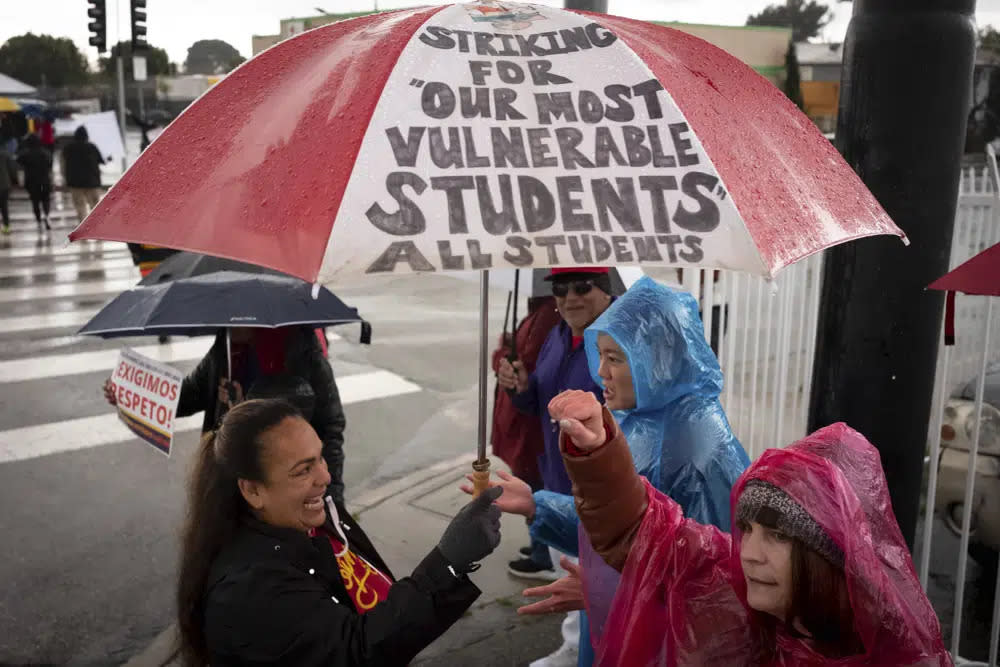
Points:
[(491, 135)]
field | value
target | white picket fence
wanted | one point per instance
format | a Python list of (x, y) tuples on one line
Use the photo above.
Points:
[(768, 348), (977, 227)]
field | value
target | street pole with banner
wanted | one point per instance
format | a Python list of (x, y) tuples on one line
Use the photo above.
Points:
[(906, 89), (120, 66), (120, 69)]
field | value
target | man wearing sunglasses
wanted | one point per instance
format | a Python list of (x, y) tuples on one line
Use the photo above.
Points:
[(582, 294)]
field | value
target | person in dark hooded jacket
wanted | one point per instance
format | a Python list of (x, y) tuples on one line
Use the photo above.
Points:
[(259, 354), (8, 179), (82, 171), (36, 161)]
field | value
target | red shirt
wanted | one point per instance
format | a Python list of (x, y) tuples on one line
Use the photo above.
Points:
[(577, 341)]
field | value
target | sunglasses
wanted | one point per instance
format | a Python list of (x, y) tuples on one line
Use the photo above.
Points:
[(580, 287)]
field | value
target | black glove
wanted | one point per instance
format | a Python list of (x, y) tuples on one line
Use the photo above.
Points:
[(474, 532)]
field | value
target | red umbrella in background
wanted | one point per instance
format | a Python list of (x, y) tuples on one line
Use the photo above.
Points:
[(979, 276), (491, 135)]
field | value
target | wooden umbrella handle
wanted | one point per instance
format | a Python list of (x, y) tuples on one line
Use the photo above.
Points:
[(480, 477)]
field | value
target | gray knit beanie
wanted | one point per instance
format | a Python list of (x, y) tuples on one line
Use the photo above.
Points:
[(792, 519)]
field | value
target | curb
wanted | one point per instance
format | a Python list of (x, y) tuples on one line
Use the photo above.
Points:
[(376, 496)]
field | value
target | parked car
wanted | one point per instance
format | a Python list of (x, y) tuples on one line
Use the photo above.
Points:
[(957, 429)]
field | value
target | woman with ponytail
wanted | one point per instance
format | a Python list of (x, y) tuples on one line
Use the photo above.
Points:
[(273, 571)]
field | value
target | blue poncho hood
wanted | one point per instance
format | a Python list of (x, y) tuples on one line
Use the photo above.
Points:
[(662, 335), (679, 436)]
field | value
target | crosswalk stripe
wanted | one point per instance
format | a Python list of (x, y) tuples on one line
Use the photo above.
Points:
[(26, 234), (33, 242), (73, 318), (30, 442), (78, 363), (59, 247), (12, 294), (49, 260), (59, 365), (69, 271)]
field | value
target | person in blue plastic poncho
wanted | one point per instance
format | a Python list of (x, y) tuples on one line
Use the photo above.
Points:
[(662, 383)]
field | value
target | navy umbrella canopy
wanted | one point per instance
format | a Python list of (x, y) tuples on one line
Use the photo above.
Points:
[(190, 264), (203, 304)]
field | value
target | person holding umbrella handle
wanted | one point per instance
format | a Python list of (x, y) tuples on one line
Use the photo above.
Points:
[(275, 571)]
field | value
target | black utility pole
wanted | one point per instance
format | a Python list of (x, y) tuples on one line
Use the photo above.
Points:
[(905, 94), (588, 5)]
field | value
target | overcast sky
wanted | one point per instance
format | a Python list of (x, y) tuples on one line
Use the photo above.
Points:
[(176, 24)]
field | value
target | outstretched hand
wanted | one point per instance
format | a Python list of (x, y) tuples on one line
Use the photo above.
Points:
[(517, 497), (564, 595)]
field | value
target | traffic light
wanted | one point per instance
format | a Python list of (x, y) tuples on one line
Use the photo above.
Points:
[(138, 10), (98, 25)]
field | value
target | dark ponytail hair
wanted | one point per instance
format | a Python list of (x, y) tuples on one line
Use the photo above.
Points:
[(215, 505)]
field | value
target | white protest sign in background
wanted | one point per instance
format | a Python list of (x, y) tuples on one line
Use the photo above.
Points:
[(103, 131), (148, 392), (510, 136)]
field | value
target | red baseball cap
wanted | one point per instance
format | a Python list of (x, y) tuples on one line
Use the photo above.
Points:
[(578, 269)]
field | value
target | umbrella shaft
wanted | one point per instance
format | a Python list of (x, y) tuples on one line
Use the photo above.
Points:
[(484, 304)]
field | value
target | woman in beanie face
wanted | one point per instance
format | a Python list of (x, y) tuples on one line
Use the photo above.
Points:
[(766, 556), (816, 571), (794, 572)]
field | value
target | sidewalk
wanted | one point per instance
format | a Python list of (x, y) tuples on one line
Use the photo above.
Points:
[(404, 518)]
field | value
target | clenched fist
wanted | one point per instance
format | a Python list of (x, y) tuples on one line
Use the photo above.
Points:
[(580, 416)]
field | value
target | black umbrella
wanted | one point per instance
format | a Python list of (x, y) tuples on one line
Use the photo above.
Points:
[(202, 305), (190, 264)]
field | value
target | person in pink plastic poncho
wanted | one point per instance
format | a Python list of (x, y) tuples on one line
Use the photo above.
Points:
[(816, 571)]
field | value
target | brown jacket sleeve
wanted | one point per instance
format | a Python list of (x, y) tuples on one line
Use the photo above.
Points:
[(610, 496)]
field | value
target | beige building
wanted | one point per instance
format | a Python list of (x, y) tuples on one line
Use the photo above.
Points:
[(762, 48), (294, 26), (819, 69)]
